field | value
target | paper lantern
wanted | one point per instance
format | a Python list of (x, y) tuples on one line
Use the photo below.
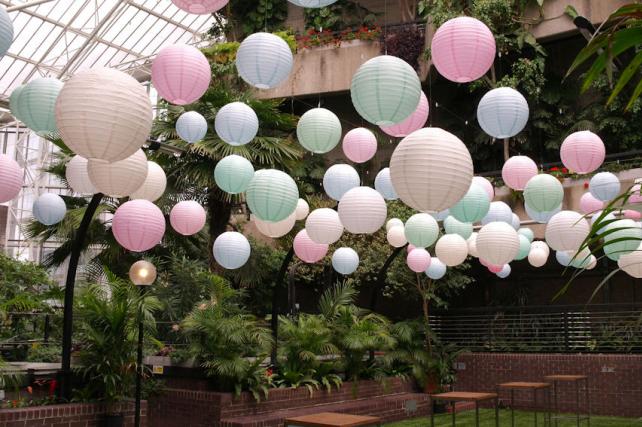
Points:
[(540, 245), (498, 211), (629, 234), (396, 236), (526, 232), (566, 231), (451, 249), (11, 175), (472, 245), (154, 186), (142, 273), (345, 261), (359, 145), (631, 214), (385, 90), (437, 269), (200, 7), (338, 179), (362, 210), (504, 272), (502, 112), (236, 123), (431, 169), (312, 3), (14, 104), (49, 209), (541, 217), (307, 250), (275, 229), (319, 130), (393, 222), (486, 185), (414, 122), (517, 171), (410, 248), (105, 114), (453, 226), (191, 127), (264, 60), (463, 49), (635, 194), (272, 195), (421, 230), (233, 174), (418, 260), (494, 268), (516, 222), (383, 184), (604, 186), (564, 257), (121, 178), (37, 104), (302, 210), (581, 259), (537, 258), (473, 206), (589, 204), (187, 217), (77, 176), (524, 247), (608, 219), (582, 152), (324, 226), (231, 250), (441, 215), (543, 193), (631, 263), (6, 31), (138, 225), (181, 73), (498, 242)]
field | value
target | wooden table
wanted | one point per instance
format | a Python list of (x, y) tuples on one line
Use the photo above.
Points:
[(535, 387), (332, 419), (464, 396), (576, 380)]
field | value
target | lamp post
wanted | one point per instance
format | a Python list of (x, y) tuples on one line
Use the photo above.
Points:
[(142, 274)]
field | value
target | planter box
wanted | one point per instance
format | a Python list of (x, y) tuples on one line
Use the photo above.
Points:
[(70, 415)]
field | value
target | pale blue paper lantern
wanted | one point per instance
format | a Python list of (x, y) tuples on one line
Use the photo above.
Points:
[(319, 130), (14, 104), (441, 215), (421, 230), (231, 250), (473, 206), (233, 174), (272, 195), (564, 258), (49, 209), (437, 269), (383, 184), (264, 60), (338, 179), (37, 104), (607, 218), (541, 217), (191, 127), (604, 186), (312, 4), (516, 222), (345, 261), (524, 247), (502, 112), (498, 212), (236, 123), (6, 31), (526, 232), (504, 272), (454, 226), (543, 193)]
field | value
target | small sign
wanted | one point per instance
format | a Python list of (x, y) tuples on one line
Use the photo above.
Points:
[(158, 369)]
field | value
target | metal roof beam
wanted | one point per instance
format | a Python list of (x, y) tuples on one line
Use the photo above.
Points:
[(161, 16)]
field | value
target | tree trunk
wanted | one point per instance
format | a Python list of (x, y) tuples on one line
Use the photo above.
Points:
[(219, 212)]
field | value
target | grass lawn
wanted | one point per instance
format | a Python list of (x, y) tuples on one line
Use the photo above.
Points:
[(522, 419)]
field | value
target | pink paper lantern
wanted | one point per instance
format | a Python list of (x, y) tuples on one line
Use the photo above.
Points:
[(200, 7), (138, 225), (359, 145), (589, 204), (631, 214), (582, 152), (486, 185), (418, 260), (517, 171), (463, 49), (10, 178), (495, 268), (416, 121), (410, 248), (187, 217), (181, 74), (308, 250), (636, 194)]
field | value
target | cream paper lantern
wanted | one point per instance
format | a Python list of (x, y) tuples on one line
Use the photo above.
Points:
[(77, 176), (393, 222), (472, 245), (338, 179), (631, 263), (431, 169), (421, 230), (121, 178), (319, 130), (537, 258), (396, 236), (498, 242), (451, 249), (362, 210), (302, 210), (264, 60), (154, 185), (275, 229), (566, 231), (324, 226), (541, 245)]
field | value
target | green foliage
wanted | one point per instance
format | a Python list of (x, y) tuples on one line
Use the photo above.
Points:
[(339, 15), (258, 15), (46, 353)]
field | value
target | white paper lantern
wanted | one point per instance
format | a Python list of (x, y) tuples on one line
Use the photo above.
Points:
[(472, 245), (302, 210), (345, 261), (383, 184), (421, 230), (324, 226), (362, 210), (396, 236), (121, 178), (437, 269), (451, 249), (504, 272), (154, 185), (264, 60), (319, 130), (454, 226), (191, 127), (502, 112), (537, 258), (393, 222), (49, 209), (275, 229), (541, 217), (498, 242), (231, 250), (312, 3), (498, 212), (431, 169), (566, 231), (631, 263), (540, 245), (604, 186), (236, 123), (338, 179), (77, 176)]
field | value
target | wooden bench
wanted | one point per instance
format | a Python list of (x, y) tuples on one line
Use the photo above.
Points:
[(332, 419)]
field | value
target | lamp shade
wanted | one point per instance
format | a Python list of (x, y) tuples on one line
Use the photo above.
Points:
[(414, 122), (323, 226), (121, 178), (541, 246), (418, 260), (543, 193), (37, 104), (463, 49), (6, 31), (504, 272), (396, 236), (231, 250), (49, 209), (319, 130), (154, 185), (383, 184), (236, 123), (200, 7), (187, 217), (431, 169), (302, 209), (359, 145), (486, 185), (524, 247), (105, 114), (631, 263), (14, 104), (142, 273), (393, 222), (181, 73), (312, 3), (362, 210), (502, 112), (233, 174), (11, 176), (526, 232), (307, 250), (604, 186), (272, 195), (451, 249), (385, 90), (191, 127), (582, 152), (541, 217), (338, 179), (345, 261), (472, 245), (421, 230), (138, 225), (454, 226), (77, 176), (275, 229), (589, 204), (264, 60), (498, 242), (437, 269), (498, 212), (473, 206), (517, 171), (624, 236), (537, 258), (566, 231)]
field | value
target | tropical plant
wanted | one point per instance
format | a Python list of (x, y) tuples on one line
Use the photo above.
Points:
[(410, 353), (339, 15)]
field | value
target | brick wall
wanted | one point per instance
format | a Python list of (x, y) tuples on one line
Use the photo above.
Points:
[(71, 415), (615, 381)]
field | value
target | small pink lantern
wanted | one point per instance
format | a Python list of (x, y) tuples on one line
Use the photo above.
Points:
[(418, 260), (359, 145), (636, 194), (463, 49), (10, 178), (582, 152), (307, 250), (138, 225), (517, 171), (187, 217), (416, 121), (181, 74), (631, 214), (589, 204), (200, 7), (410, 248), (495, 268)]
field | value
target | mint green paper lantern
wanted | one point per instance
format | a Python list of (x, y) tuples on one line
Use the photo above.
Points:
[(526, 232), (319, 130), (543, 193), (421, 230), (14, 105), (233, 174), (272, 195), (473, 206), (625, 229), (36, 105), (524, 247), (453, 226), (385, 90)]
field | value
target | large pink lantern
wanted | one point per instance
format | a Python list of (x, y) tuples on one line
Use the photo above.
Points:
[(307, 250), (589, 204), (187, 217), (10, 178), (463, 49), (415, 121), (359, 145), (138, 225), (200, 7), (517, 171), (181, 74), (418, 260), (582, 152)]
